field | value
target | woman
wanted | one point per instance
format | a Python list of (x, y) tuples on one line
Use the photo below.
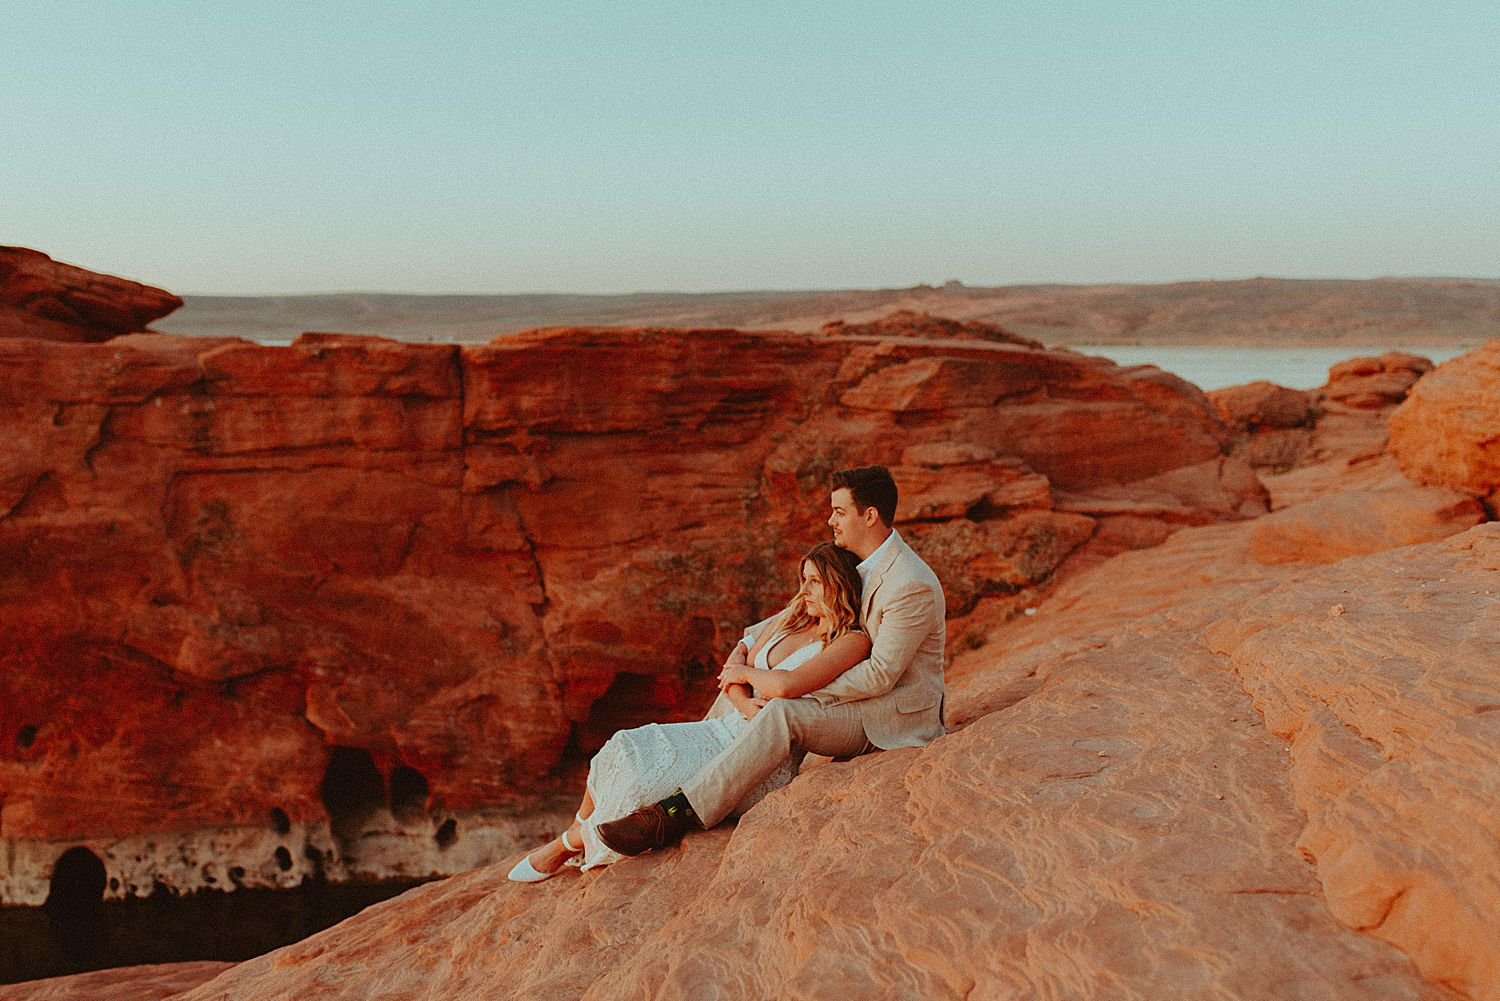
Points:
[(814, 640)]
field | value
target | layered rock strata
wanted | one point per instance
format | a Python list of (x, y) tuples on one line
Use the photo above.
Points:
[(43, 298), (911, 323), (360, 607), (1279, 429)]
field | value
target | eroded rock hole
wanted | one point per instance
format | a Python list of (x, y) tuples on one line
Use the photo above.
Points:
[(631, 700), (280, 822), (352, 790), (75, 905), (408, 794), (283, 859), (77, 878), (26, 736), (447, 833)]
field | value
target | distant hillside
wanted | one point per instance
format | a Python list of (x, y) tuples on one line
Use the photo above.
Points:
[(1415, 312)]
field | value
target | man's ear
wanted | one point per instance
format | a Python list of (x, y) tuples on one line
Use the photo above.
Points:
[(871, 516)]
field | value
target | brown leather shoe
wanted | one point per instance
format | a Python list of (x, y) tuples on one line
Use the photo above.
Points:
[(639, 832)]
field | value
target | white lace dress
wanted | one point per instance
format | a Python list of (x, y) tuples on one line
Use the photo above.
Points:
[(648, 763)]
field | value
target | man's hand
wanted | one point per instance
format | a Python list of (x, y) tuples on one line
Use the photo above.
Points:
[(744, 700)]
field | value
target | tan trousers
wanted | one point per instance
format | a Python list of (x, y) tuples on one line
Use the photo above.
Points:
[(784, 726)]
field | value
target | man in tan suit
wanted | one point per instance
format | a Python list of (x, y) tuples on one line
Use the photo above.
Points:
[(892, 699)]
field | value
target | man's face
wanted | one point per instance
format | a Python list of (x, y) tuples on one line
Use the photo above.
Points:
[(845, 521)]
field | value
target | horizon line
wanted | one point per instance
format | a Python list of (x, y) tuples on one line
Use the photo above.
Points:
[(954, 283)]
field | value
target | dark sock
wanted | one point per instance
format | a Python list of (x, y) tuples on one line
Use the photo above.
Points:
[(677, 805)]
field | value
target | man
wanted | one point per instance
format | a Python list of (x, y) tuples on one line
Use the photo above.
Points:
[(892, 699)]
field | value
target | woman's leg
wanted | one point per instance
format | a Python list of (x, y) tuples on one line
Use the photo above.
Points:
[(551, 856)]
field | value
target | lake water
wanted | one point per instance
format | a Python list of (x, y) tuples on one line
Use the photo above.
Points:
[(1217, 367)]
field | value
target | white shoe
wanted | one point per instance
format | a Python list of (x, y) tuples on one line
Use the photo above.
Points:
[(525, 872)]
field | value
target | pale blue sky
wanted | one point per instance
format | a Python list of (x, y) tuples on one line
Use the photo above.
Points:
[(217, 147)]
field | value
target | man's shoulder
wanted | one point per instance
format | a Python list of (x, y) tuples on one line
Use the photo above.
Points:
[(908, 578), (908, 566)]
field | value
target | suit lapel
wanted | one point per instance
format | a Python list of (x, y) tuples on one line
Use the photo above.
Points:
[(877, 574)]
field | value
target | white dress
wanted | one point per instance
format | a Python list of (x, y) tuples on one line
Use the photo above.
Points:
[(646, 764)]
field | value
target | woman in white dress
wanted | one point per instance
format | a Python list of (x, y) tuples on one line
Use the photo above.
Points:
[(815, 639)]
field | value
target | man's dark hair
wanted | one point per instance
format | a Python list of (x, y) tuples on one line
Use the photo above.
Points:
[(870, 486)]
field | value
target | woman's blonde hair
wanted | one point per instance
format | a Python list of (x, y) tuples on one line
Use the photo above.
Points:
[(841, 591)]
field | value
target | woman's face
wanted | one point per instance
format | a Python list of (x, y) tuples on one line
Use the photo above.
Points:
[(812, 591)]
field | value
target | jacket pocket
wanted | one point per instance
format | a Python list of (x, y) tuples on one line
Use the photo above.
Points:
[(917, 700)]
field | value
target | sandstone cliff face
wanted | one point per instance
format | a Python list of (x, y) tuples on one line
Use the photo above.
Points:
[(362, 607), (43, 298)]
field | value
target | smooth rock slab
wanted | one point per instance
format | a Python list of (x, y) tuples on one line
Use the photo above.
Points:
[(132, 983)]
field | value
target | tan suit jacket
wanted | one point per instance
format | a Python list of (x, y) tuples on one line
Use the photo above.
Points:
[(898, 689)]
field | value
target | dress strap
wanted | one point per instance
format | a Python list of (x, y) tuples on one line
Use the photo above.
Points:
[(762, 659)]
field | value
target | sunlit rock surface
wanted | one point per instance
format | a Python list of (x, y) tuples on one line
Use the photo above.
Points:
[(1279, 429), (1448, 432), (132, 983)]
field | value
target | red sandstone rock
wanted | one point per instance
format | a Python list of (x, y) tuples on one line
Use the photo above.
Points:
[(1279, 429), (1258, 405), (423, 553), (1114, 816), (909, 323), (135, 983), (1353, 522), (472, 565), (1191, 773), (43, 298), (1373, 383), (1448, 431), (1388, 700)]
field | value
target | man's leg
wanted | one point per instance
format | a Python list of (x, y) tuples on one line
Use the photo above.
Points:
[(782, 726)]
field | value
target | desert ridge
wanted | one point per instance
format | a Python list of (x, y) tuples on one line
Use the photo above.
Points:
[(1256, 312)]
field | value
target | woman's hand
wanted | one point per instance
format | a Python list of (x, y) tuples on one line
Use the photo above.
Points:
[(738, 657), (738, 660), (735, 674)]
